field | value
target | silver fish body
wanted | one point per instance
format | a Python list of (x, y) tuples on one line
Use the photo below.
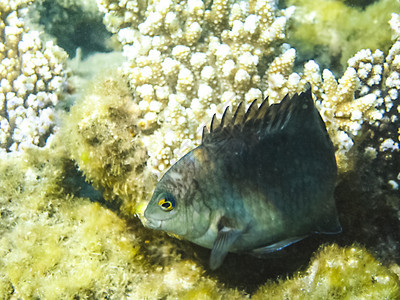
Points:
[(260, 181)]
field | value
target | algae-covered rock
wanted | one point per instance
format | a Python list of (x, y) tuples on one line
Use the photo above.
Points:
[(103, 138), (337, 273), (54, 245)]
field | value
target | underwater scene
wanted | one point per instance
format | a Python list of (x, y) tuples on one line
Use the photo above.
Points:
[(135, 162)]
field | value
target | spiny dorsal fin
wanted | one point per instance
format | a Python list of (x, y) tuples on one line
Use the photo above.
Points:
[(205, 133), (277, 114), (226, 117), (263, 109), (214, 123), (239, 113), (263, 119), (251, 112)]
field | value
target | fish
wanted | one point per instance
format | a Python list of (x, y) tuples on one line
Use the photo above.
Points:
[(261, 180)]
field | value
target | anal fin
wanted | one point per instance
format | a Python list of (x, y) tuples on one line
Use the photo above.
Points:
[(277, 246)]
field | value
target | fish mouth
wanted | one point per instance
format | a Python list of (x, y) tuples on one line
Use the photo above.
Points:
[(152, 224)]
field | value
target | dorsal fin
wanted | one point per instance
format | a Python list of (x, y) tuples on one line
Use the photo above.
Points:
[(239, 113), (264, 119), (214, 123), (263, 109), (226, 117), (251, 112), (205, 133)]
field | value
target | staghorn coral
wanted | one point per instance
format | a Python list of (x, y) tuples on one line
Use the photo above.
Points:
[(337, 273), (366, 92), (32, 79)]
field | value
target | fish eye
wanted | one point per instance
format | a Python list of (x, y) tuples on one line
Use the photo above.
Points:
[(167, 203)]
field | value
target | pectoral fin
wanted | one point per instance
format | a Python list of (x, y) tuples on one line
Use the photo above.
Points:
[(276, 246), (222, 244)]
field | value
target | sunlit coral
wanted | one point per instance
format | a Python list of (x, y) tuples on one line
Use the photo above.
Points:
[(32, 78), (366, 91), (190, 61)]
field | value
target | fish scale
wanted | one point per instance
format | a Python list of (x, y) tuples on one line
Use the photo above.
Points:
[(261, 180)]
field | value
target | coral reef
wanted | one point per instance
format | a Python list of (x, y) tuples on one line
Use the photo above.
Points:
[(32, 79), (56, 245), (236, 54), (186, 60), (365, 93)]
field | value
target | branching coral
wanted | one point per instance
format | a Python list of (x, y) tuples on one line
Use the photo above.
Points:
[(32, 78), (187, 61), (235, 53), (367, 90)]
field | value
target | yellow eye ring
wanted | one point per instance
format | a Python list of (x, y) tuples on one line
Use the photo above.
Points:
[(166, 205)]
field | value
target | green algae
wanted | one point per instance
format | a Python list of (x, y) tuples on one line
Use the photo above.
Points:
[(104, 140), (331, 31), (337, 273)]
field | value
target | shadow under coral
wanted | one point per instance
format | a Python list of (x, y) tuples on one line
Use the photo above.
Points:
[(369, 207), (239, 271)]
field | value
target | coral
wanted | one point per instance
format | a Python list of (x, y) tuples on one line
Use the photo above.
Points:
[(32, 79), (366, 94), (56, 245), (104, 140), (395, 25), (337, 273), (316, 27), (236, 55), (187, 61)]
